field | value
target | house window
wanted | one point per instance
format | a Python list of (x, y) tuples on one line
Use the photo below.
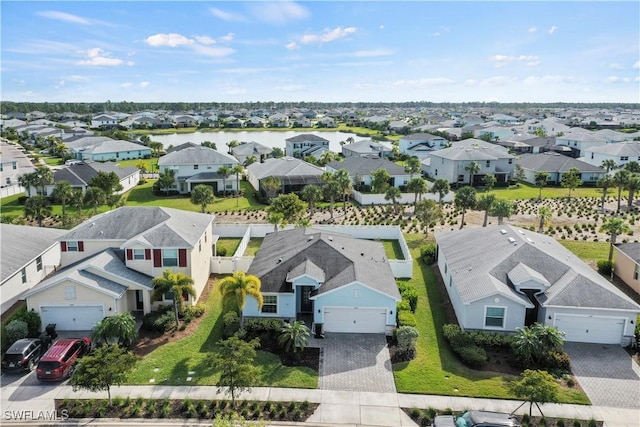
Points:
[(72, 246), (24, 275), (138, 254), (39, 263), (195, 167), (168, 296), (270, 304), (450, 281), (460, 178), (636, 272), (199, 246), (488, 164), (436, 172), (8, 180), (624, 158), (591, 156), (69, 292), (494, 317), (170, 257), (510, 161), (355, 293)]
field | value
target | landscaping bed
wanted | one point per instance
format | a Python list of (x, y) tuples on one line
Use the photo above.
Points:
[(126, 408)]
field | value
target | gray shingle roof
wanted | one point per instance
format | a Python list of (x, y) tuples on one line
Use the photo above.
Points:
[(342, 260), (554, 162), (283, 167), (473, 149), (632, 250), (480, 260), (365, 165), (115, 145), (628, 148), (366, 146), (250, 148), (160, 227), (197, 156), (21, 244), (306, 137), (80, 174)]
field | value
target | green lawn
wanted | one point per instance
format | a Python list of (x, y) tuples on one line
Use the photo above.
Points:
[(436, 370), (10, 206), (589, 252), (228, 245), (528, 191), (150, 164), (392, 249), (253, 246), (52, 161), (174, 361)]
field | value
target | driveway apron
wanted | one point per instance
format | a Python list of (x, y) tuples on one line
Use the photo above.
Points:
[(606, 373), (355, 362)]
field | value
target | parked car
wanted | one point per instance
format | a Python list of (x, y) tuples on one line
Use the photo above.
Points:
[(477, 419), (24, 354), (58, 362)]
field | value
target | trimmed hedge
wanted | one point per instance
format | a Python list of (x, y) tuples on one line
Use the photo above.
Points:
[(406, 318), (463, 345)]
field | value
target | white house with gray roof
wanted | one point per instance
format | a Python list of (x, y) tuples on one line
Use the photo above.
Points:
[(621, 153), (500, 278), (109, 261), (250, 149), (344, 284), (421, 144), (305, 144), (366, 147), (557, 165), (293, 173)]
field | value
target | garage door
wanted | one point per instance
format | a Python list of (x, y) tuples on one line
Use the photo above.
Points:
[(594, 329), (355, 319), (72, 318)]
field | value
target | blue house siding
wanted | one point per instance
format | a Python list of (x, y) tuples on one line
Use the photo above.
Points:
[(122, 155), (286, 307)]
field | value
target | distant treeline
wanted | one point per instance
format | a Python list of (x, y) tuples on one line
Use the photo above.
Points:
[(132, 107)]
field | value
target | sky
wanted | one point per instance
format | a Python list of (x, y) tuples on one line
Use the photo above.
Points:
[(323, 51)]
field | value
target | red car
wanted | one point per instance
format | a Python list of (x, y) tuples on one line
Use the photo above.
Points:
[(58, 362)]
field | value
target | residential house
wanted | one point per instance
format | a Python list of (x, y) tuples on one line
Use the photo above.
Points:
[(255, 122), (421, 144), (494, 133), (556, 165), (501, 278), (627, 265), (344, 284), (326, 122), (452, 163), (104, 121), (112, 149), (79, 176), (621, 153), (527, 143), (580, 140), (199, 165), (279, 120), (108, 268), (250, 149), (293, 173), (29, 254), (504, 119), (305, 144), (9, 171), (366, 147), (361, 168)]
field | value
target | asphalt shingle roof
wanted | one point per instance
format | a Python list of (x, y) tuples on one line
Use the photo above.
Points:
[(554, 162), (628, 148), (197, 156), (632, 250), (283, 167), (80, 174), (365, 165), (473, 149), (306, 137)]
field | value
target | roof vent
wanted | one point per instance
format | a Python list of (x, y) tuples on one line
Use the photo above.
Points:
[(530, 240), (310, 238), (279, 261), (503, 231), (330, 238), (521, 232), (361, 253), (512, 240)]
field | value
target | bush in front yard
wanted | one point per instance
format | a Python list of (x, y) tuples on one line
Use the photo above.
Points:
[(406, 318), (473, 356), (409, 294), (16, 330), (231, 323), (32, 319), (266, 330), (407, 336), (463, 345), (556, 361), (428, 253), (159, 321)]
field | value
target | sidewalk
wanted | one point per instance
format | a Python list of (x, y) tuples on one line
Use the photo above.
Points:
[(336, 407)]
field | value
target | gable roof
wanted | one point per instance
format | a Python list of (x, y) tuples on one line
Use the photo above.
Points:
[(340, 259), (115, 145), (156, 226), (365, 146), (480, 260), (250, 148), (473, 149), (627, 148), (365, 165), (554, 162), (306, 137), (80, 174), (631, 249), (197, 155), (284, 167)]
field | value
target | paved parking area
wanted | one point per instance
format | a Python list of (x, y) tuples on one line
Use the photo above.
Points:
[(606, 373), (355, 362)]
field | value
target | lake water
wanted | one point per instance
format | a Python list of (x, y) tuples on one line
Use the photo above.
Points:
[(267, 138)]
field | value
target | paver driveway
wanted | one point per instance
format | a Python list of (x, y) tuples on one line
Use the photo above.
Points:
[(606, 373), (355, 362)]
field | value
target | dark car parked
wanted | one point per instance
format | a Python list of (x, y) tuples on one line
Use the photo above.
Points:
[(24, 354), (58, 362), (478, 419)]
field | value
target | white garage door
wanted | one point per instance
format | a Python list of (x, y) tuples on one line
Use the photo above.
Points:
[(355, 319), (594, 329), (72, 318)]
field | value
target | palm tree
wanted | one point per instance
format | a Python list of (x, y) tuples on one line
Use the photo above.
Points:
[(343, 180), (311, 194), (237, 287), (94, 197), (63, 193), (225, 172), (502, 209), (541, 179), (614, 227), (418, 187), (294, 336), (633, 185), (485, 203), (473, 169), (37, 207), (326, 157), (393, 194), (29, 180), (489, 181), (608, 165), (121, 326), (441, 187), (465, 199), (202, 195), (413, 166), (276, 219), (544, 214), (45, 176), (620, 179), (605, 183), (250, 160), (237, 169), (77, 200), (177, 284), (331, 189)]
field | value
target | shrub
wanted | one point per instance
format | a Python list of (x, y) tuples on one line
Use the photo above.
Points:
[(472, 356), (159, 321), (403, 305), (32, 319), (407, 337), (553, 360), (428, 253), (571, 383), (605, 267), (17, 329), (231, 323), (464, 346), (411, 295), (406, 318), (266, 330)]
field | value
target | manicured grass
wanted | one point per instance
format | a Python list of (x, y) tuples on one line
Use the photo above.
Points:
[(175, 360), (52, 161), (528, 191), (228, 245), (10, 206), (150, 164), (436, 370), (253, 246), (392, 249), (588, 251)]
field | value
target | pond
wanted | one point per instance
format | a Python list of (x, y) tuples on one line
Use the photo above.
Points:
[(267, 138)]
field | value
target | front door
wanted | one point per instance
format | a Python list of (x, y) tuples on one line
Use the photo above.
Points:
[(306, 305), (139, 302)]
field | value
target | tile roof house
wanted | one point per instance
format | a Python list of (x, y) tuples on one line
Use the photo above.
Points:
[(361, 168), (80, 174), (108, 269), (345, 284), (627, 265), (294, 174), (500, 278), (29, 254), (556, 165)]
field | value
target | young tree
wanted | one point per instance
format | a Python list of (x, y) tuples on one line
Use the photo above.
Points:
[(29, 180), (427, 211), (343, 180), (63, 192), (544, 214), (614, 227), (225, 172), (571, 179), (209, 144), (94, 197), (502, 209), (418, 186), (485, 203), (537, 387), (38, 208), (166, 179), (465, 199), (632, 166), (120, 327), (441, 188), (77, 200), (605, 183), (289, 206), (202, 195), (473, 168), (270, 185), (142, 165), (412, 166), (236, 288), (311, 194), (275, 219), (326, 157), (277, 153), (541, 179), (177, 284), (620, 180), (519, 172), (294, 336), (237, 170), (331, 189), (234, 359), (250, 160), (156, 147), (109, 182), (489, 181), (232, 144), (380, 181), (393, 194)]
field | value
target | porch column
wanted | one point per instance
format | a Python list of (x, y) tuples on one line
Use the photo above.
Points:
[(146, 302)]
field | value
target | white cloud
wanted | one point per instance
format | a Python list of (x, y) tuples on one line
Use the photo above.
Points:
[(60, 84), (126, 85), (212, 51), (77, 79), (144, 84), (170, 39), (381, 27), (423, 83), (373, 52), (533, 29), (278, 13), (548, 79), (227, 16), (99, 58), (500, 61), (616, 79), (436, 34), (228, 37), (291, 88), (616, 67), (204, 39), (328, 35), (636, 65), (553, 29), (65, 17), (292, 46), (471, 82)]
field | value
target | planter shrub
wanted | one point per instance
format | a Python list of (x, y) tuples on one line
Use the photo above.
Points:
[(16, 330), (32, 319), (428, 253), (406, 318)]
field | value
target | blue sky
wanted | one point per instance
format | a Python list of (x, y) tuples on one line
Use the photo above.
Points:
[(75, 51)]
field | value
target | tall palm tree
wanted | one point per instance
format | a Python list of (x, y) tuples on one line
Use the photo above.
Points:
[(620, 179), (94, 197), (311, 194), (237, 287), (225, 172), (440, 187), (418, 187), (29, 180), (544, 214), (38, 208), (485, 203), (77, 200), (45, 177), (177, 284), (343, 180), (393, 194), (412, 166), (331, 189), (237, 169), (202, 195), (465, 199), (633, 185), (614, 227), (605, 183), (63, 193), (473, 168), (608, 165), (275, 218), (502, 209)]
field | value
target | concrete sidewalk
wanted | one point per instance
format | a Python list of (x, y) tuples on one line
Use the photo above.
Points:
[(336, 407)]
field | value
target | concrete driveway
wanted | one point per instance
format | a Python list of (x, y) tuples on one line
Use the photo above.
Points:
[(355, 362), (606, 373)]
